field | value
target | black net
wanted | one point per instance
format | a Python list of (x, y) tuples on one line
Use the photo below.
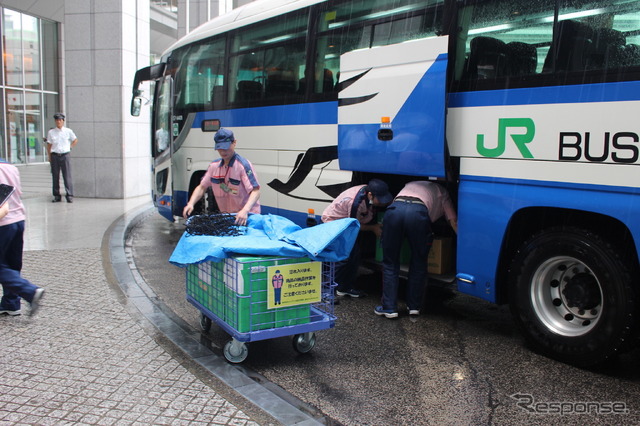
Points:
[(217, 225)]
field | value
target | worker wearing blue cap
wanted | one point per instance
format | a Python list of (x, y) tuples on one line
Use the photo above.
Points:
[(233, 180)]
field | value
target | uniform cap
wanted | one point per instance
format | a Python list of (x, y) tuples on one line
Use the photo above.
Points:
[(223, 138), (380, 190), (58, 115)]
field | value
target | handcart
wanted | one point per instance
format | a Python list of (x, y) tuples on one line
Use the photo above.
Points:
[(257, 298)]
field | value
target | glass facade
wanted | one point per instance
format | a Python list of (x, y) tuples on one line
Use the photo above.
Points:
[(29, 85)]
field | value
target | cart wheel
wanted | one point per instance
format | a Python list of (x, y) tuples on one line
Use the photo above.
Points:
[(235, 351), (205, 323), (304, 342)]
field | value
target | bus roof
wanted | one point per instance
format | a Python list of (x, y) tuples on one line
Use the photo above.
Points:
[(245, 15)]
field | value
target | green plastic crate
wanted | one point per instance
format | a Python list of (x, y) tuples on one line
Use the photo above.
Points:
[(235, 291)]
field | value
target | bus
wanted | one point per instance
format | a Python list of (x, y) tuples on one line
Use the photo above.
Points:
[(526, 110)]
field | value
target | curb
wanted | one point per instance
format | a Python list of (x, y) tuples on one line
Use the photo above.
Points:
[(143, 304)]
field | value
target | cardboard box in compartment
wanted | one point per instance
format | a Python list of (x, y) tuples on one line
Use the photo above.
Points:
[(440, 256), (440, 260)]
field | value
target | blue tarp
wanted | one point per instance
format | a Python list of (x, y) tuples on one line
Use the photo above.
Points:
[(272, 235)]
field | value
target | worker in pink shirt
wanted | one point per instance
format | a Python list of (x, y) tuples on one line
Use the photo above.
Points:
[(358, 202), (415, 208), (232, 179)]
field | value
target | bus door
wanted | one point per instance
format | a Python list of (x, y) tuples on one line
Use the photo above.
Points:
[(391, 108), (164, 131)]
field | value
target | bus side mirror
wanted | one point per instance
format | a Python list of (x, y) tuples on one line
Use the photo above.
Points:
[(136, 105)]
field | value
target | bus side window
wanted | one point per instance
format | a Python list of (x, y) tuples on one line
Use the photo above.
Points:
[(502, 43), (631, 55), (280, 84), (267, 60), (248, 90), (284, 65), (603, 37), (324, 82), (487, 58), (347, 26), (522, 58), (328, 83), (608, 49), (571, 45), (217, 97)]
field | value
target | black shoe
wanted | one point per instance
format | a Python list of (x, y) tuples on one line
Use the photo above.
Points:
[(351, 292), (56, 199), (69, 199)]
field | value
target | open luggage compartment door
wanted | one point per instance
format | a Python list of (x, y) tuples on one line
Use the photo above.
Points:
[(405, 83)]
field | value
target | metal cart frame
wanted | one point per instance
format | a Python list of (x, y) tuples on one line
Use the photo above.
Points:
[(232, 294)]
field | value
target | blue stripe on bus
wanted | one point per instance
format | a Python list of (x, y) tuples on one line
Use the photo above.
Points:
[(554, 184), (601, 92), (487, 205), (276, 115)]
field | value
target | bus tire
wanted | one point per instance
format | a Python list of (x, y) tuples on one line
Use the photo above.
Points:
[(206, 205), (571, 295)]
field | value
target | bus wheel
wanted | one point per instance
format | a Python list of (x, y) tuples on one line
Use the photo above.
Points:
[(206, 205), (571, 295)]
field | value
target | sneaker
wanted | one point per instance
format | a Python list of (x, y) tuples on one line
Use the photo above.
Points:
[(414, 312), (351, 292), (10, 312), (35, 303), (389, 313)]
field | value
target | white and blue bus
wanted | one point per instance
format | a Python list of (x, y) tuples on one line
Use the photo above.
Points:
[(528, 111)]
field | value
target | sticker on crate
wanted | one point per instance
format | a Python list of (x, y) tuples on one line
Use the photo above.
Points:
[(294, 284)]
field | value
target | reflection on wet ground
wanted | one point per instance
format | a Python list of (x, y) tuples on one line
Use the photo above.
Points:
[(460, 362)]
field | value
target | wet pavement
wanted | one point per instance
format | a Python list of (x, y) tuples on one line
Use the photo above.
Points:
[(117, 343), (89, 356), (460, 363)]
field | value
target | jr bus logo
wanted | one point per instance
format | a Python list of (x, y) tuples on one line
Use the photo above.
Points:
[(520, 139)]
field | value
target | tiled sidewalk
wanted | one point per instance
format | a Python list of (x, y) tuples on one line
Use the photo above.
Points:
[(83, 359)]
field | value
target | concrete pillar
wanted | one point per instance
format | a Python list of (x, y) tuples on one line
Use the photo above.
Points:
[(199, 12), (106, 41)]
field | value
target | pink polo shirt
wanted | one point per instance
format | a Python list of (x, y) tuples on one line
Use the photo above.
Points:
[(434, 196), (340, 208), (9, 175), (232, 184)]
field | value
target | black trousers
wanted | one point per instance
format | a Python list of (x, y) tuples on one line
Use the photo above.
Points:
[(61, 163)]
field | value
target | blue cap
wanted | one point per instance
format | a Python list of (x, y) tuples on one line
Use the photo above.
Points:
[(223, 138), (380, 190)]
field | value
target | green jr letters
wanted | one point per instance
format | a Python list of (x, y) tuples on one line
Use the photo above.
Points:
[(521, 140)]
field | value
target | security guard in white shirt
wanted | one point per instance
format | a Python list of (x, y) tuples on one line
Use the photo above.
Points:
[(60, 140)]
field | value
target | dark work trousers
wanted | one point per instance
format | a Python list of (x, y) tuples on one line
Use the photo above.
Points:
[(61, 163), (347, 270), (14, 286), (411, 221)]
